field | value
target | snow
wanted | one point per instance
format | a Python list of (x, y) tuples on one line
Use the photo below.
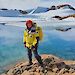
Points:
[(40, 10), (9, 13), (41, 15), (59, 12)]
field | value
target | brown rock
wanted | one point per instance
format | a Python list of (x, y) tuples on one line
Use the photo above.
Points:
[(71, 70), (55, 70), (61, 71), (52, 66), (3, 74)]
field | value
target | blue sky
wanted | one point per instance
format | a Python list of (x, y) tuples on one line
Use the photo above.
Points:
[(27, 4)]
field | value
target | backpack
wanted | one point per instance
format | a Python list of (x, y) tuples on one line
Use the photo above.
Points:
[(39, 30)]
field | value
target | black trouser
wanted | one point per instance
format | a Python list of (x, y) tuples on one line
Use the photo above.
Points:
[(37, 56)]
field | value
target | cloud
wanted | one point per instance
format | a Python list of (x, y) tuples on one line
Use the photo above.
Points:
[(45, 0), (27, 4), (18, 3)]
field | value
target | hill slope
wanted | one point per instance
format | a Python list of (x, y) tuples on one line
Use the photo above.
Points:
[(52, 66)]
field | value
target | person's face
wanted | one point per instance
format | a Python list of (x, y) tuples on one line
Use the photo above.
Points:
[(29, 25)]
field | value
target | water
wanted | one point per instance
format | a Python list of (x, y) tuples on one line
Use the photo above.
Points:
[(55, 42), (11, 45)]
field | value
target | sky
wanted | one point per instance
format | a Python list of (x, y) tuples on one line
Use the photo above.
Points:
[(28, 4)]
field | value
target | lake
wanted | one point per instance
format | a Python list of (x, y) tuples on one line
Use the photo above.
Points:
[(61, 44)]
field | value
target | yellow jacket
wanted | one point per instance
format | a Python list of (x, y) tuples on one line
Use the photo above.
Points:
[(30, 38)]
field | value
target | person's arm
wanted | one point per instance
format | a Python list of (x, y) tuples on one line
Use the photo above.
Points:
[(24, 38), (35, 43)]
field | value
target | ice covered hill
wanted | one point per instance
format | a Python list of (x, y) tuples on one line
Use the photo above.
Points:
[(60, 10), (65, 8), (13, 12), (38, 14)]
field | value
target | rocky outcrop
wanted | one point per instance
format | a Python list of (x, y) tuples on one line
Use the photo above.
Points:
[(3, 9), (53, 7), (23, 12), (65, 17), (63, 29), (52, 66), (61, 6), (65, 5)]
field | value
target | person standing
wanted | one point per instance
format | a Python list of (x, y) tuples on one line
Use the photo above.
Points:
[(32, 35)]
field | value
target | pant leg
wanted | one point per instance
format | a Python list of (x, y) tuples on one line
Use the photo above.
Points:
[(37, 56), (29, 55)]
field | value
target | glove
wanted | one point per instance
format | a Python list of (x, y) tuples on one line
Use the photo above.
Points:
[(24, 44), (37, 38)]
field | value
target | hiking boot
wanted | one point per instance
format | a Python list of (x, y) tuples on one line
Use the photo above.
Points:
[(29, 64)]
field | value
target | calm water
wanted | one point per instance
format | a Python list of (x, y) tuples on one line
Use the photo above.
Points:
[(55, 42)]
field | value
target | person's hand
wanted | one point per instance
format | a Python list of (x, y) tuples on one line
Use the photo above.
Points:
[(24, 45)]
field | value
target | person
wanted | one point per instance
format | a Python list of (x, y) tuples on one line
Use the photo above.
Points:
[(32, 35)]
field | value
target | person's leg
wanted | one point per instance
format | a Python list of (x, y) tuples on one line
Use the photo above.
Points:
[(37, 56), (30, 56)]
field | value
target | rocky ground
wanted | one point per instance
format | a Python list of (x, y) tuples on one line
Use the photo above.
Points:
[(52, 66)]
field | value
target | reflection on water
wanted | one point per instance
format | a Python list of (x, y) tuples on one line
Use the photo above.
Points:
[(55, 42)]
